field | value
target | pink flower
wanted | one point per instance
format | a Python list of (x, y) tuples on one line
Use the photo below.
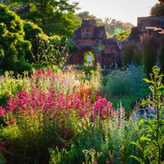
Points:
[(3, 145), (2, 111)]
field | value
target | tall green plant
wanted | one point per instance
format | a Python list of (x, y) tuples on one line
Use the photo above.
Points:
[(151, 140), (13, 46), (149, 47)]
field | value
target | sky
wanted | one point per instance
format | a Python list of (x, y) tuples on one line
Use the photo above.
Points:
[(124, 10)]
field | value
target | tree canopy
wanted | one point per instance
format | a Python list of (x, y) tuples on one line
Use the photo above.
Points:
[(50, 15)]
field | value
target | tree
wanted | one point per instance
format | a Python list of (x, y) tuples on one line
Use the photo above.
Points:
[(51, 15), (158, 9), (86, 15), (63, 24), (46, 7)]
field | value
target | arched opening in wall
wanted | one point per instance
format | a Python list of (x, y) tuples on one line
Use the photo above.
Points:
[(89, 58), (87, 55)]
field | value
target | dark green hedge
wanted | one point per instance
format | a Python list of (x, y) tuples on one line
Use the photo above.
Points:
[(13, 46)]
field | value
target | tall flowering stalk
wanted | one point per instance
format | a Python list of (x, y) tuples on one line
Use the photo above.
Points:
[(151, 138)]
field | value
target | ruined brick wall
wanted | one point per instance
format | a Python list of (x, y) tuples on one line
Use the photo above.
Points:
[(144, 22), (90, 37)]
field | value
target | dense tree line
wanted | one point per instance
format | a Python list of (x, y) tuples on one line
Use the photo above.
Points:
[(54, 17)]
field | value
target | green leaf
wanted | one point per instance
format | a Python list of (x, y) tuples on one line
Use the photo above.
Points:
[(144, 139), (137, 159), (148, 81), (137, 145)]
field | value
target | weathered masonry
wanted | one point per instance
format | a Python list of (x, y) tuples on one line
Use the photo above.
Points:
[(90, 37)]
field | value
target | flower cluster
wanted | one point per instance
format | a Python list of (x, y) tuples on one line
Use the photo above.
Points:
[(102, 108), (55, 103)]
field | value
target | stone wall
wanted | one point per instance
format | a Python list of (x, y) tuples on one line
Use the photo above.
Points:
[(90, 37), (144, 22)]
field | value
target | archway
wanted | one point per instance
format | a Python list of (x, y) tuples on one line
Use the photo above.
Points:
[(84, 50)]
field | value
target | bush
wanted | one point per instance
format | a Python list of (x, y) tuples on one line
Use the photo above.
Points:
[(103, 141), (124, 82), (53, 50), (11, 86), (39, 120), (33, 33), (86, 69), (121, 85), (13, 46)]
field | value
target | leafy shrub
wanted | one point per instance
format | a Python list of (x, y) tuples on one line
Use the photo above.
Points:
[(54, 50), (13, 46), (151, 132), (129, 102), (124, 82), (108, 141), (33, 16), (86, 69), (11, 86), (48, 113), (32, 33), (119, 84), (40, 120), (62, 24)]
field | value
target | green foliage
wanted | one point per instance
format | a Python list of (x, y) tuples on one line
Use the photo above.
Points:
[(33, 33), (55, 17), (5, 2), (118, 84), (101, 142), (84, 68), (13, 46), (62, 24), (53, 50), (33, 16), (131, 54), (151, 132), (124, 82), (33, 136), (121, 85), (2, 159), (129, 102), (28, 137), (89, 58), (143, 53), (149, 45), (11, 86), (157, 10), (123, 35)]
